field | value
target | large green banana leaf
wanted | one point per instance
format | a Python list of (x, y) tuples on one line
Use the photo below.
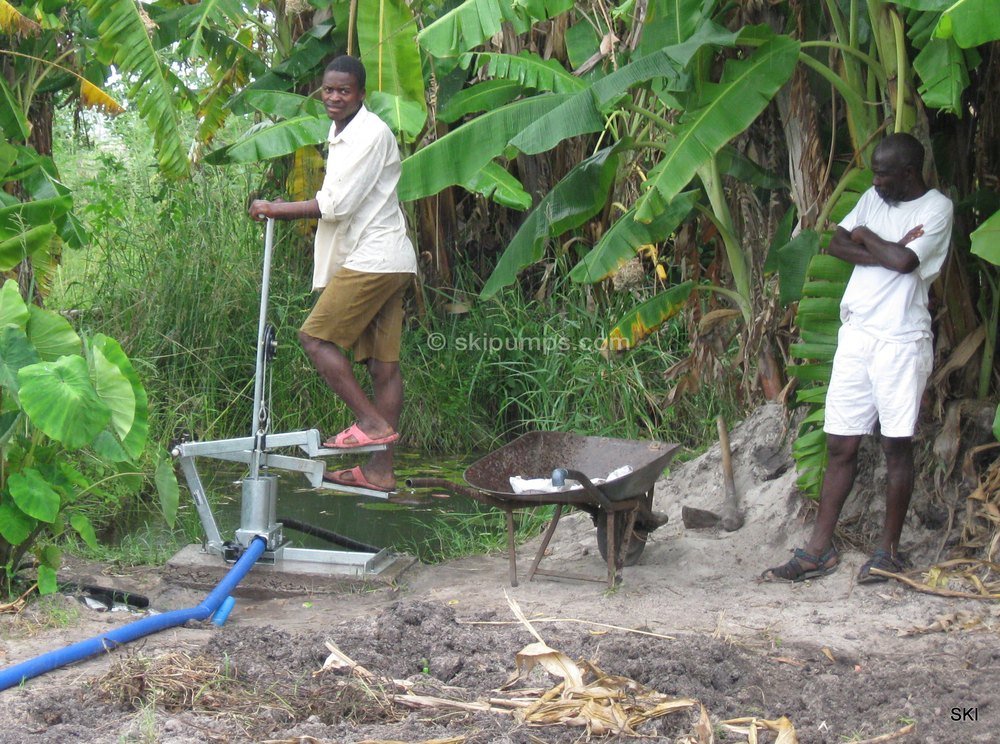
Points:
[(474, 21), (648, 316), (270, 140), (724, 110), (943, 74), (460, 154), (986, 240), (495, 183), (969, 22), (585, 111), (13, 123), (406, 118), (618, 245), (791, 260), (570, 203), (671, 22), (18, 247), (531, 71), (121, 28), (484, 96), (278, 104), (386, 29)]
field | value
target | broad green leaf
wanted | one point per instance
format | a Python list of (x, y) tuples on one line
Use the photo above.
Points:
[(671, 22), (15, 249), (51, 334), (8, 424), (14, 219), (814, 441), (16, 353), (584, 112), (13, 122), (986, 240), (47, 583), (823, 306), (386, 29), (15, 525), (106, 447), (12, 307), (122, 29), (281, 105), (115, 390), (577, 197), (61, 401), (405, 118), (819, 372), (530, 71), (485, 96), (819, 352), (943, 75), (270, 140), (792, 260), (474, 21), (33, 495), (782, 235), (647, 317), (824, 289), (811, 395), (166, 487), (84, 529), (458, 156), (494, 182), (969, 22), (130, 410), (726, 109), (8, 156), (619, 244), (829, 269)]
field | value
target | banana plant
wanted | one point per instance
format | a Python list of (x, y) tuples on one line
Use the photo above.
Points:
[(62, 396)]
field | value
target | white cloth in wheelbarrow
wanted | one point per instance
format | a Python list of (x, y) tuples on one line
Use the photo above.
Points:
[(520, 484)]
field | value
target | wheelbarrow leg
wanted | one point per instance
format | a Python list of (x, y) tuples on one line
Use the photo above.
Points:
[(549, 531), (511, 556), (609, 514)]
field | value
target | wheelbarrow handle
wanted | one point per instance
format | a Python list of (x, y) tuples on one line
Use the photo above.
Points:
[(590, 488)]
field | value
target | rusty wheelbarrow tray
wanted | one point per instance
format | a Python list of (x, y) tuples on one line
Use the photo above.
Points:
[(621, 509)]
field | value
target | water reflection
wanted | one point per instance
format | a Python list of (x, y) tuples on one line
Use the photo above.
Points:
[(408, 518)]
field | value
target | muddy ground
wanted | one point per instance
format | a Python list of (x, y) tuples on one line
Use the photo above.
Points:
[(842, 661)]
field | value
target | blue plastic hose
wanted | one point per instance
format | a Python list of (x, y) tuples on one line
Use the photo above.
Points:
[(18, 673)]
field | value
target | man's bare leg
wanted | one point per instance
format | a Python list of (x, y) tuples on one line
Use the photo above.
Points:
[(387, 385), (335, 369), (899, 489), (841, 468)]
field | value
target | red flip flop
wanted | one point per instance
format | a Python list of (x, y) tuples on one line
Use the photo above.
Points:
[(353, 477), (359, 439)]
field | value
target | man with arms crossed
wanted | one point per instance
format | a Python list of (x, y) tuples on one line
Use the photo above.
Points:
[(363, 262), (897, 238)]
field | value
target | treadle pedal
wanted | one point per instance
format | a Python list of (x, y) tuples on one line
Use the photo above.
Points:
[(340, 451), (327, 486)]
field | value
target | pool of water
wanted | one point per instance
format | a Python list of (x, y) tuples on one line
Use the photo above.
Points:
[(408, 518)]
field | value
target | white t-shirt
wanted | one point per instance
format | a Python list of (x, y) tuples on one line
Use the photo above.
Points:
[(362, 225), (888, 304)]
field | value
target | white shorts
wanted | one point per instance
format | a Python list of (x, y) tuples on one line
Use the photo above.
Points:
[(875, 380)]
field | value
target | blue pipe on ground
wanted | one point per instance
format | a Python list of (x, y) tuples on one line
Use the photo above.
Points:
[(18, 673)]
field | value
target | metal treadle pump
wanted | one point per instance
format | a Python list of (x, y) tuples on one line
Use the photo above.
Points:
[(260, 486)]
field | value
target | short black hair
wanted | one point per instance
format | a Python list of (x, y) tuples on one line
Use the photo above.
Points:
[(904, 149), (350, 65)]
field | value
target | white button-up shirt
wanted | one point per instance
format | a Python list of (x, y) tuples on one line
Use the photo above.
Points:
[(362, 225)]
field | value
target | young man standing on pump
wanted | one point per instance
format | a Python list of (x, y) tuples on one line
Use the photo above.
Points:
[(363, 262), (897, 237)]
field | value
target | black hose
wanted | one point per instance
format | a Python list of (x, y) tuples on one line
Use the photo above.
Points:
[(328, 535)]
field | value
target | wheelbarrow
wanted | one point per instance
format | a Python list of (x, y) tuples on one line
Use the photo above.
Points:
[(621, 508)]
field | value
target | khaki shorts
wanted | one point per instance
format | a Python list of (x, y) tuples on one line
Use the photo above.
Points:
[(875, 380), (361, 312)]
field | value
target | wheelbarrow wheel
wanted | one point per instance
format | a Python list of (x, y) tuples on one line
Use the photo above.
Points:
[(636, 542)]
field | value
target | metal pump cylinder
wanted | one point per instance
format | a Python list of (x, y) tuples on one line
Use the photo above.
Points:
[(258, 510)]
